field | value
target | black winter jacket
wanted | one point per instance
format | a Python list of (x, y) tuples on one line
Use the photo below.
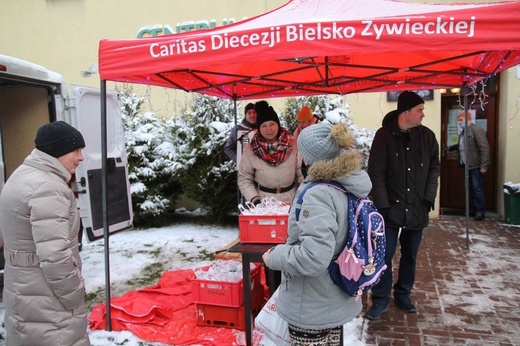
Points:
[(404, 169)]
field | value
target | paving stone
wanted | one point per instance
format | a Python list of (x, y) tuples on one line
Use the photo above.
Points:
[(467, 289)]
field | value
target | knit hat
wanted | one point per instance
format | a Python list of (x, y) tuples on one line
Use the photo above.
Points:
[(407, 100), (324, 141), (304, 114), (58, 138), (248, 107), (264, 113)]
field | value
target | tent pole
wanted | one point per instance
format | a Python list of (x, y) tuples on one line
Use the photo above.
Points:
[(466, 170), (236, 122), (104, 194)]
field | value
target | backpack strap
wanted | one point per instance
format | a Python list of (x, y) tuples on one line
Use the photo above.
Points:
[(299, 202)]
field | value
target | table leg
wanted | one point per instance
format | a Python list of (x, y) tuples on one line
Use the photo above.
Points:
[(247, 298), (272, 280)]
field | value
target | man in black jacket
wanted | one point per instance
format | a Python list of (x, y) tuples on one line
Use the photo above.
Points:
[(404, 168)]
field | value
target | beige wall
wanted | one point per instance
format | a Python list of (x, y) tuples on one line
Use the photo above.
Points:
[(64, 36), (509, 132)]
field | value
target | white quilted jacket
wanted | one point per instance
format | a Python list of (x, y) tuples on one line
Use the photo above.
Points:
[(44, 292)]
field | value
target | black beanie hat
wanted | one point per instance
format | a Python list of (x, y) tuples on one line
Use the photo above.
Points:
[(248, 107), (58, 138), (407, 100), (264, 113)]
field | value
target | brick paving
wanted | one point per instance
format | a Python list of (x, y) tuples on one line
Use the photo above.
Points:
[(463, 296)]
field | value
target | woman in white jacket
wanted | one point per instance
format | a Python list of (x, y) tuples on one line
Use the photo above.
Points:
[(44, 291), (270, 164)]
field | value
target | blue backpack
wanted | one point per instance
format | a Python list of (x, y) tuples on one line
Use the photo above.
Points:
[(362, 262)]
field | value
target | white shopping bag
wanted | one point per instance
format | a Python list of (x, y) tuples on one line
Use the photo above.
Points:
[(271, 324)]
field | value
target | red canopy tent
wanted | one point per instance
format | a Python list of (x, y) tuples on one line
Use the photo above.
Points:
[(310, 47)]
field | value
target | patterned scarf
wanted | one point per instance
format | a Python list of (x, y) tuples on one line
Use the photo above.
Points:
[(273, 153)]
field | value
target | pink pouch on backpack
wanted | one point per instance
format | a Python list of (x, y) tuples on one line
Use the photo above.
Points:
[(349, 265)]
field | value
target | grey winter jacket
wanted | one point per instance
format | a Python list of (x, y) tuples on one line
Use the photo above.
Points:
[(308, 298), (404, 173), (477, 148), (44, 292)]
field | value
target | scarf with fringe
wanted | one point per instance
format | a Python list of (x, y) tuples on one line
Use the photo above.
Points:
[(274, 153)]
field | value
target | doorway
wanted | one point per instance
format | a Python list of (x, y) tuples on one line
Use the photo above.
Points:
[(452, 192)]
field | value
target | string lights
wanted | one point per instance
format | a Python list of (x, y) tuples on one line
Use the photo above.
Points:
[(478, 93)]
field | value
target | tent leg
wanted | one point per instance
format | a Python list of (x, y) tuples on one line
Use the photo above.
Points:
[(236, 122), (104, 194), (466, 170)]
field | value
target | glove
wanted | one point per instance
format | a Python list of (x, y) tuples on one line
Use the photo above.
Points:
[(384, 212), (428, 205), (256, 200)]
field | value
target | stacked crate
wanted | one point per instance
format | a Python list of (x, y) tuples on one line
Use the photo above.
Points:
[(221, 303)]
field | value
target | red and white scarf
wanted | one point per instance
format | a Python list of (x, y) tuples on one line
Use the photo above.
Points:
[(274, 153)]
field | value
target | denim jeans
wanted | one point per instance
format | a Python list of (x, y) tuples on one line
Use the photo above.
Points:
[(410, 240), (476, 192)]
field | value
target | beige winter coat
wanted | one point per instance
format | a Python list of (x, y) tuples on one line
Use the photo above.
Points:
[(253, 170), (44, 292)]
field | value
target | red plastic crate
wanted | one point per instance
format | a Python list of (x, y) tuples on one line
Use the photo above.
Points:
[(263, 228), (229, 317), (223, 293)]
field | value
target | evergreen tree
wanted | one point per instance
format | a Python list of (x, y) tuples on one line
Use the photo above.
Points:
[(332, 109), (206, 173), (185, 154), (151, 163), (319, 106)]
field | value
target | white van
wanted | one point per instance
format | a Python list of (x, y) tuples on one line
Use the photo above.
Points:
[(30, 96)]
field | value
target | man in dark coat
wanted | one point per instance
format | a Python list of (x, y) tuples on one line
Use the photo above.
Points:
[(404, 168)]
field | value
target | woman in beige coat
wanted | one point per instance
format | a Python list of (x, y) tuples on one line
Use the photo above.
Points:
[(270, 164), (44, 292)]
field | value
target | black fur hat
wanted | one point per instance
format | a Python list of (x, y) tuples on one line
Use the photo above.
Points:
[(264, 113)]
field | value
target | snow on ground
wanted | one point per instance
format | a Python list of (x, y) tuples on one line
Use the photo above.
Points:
[(134, 254), (138, 258)]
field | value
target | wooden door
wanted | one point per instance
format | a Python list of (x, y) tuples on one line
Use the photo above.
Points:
[(452, 193)]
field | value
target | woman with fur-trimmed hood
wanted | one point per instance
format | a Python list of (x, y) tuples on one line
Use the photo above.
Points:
[(316, 308)]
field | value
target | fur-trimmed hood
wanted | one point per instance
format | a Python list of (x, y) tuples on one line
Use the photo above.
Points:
[(345, 169)]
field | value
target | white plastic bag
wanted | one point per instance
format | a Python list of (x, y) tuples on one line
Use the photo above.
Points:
[(271, 324)]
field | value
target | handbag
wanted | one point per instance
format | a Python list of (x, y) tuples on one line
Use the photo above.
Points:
[(271, 324)]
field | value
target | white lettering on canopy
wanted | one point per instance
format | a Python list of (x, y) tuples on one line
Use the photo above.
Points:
[(179, 47), (268, 38), (439, 27), (301, 33), (315, 32)]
